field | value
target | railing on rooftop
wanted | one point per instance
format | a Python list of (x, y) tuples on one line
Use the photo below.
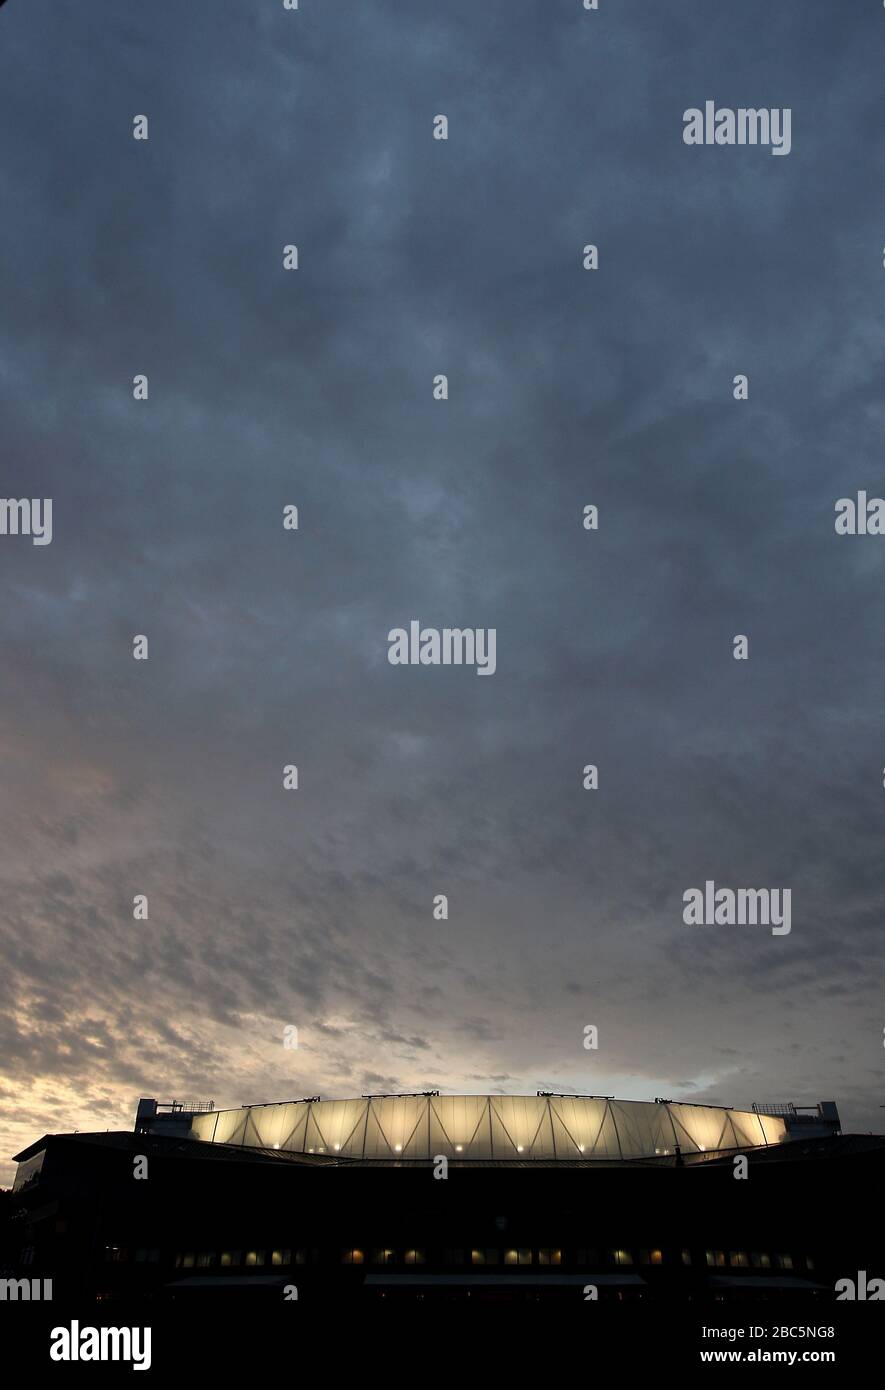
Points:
[(186, 1106)]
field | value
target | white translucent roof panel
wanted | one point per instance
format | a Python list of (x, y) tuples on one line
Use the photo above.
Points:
[(459, 1126), (579, 1126)]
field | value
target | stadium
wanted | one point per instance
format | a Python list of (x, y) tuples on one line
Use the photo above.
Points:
[(428, 1196)]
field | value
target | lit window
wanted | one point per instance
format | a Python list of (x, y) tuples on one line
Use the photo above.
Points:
[(414, 1257), (188, 1260), (255, 1257), (738, 1259), (205, 1259), (686, 1257), (622, 1257), (549, 1257), (760, 1261), (281, 1257), (655, 1257), (352, 1257), (485, 1256), (716, 1258), (383, 1257), (784, 1261)]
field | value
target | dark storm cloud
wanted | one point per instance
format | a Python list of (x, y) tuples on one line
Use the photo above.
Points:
[(418, 257)]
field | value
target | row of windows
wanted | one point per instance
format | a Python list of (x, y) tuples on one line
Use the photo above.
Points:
[(228, 1259), (355, 1256), (740, 1259), (120, 1254), (485, 1255)]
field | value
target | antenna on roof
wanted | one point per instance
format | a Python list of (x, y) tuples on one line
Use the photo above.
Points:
[(395, 1095), (573, 1095)]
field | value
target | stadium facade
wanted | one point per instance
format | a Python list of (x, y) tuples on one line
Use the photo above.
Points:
[(539, 1198)]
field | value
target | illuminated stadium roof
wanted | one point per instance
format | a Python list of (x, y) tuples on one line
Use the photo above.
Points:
[(544, 1127)]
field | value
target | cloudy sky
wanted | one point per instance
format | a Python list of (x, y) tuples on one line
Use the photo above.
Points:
[(268, 907)]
